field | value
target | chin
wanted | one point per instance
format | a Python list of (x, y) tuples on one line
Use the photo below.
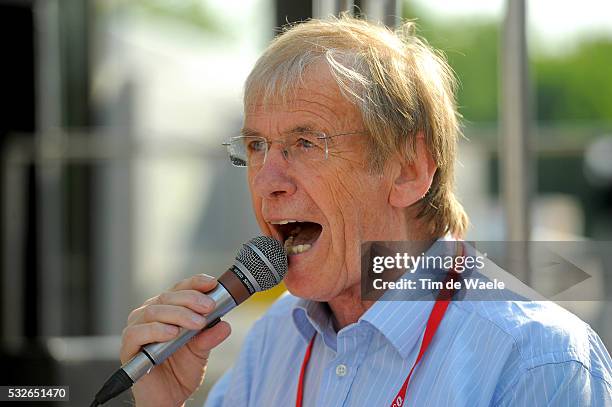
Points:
[(297, 285), (302, 287)]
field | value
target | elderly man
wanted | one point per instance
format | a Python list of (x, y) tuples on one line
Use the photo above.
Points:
[(349, 135)]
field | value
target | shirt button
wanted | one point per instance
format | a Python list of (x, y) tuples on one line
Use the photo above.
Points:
[(341, 370)]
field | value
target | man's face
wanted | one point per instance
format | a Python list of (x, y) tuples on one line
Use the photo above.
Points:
[(337, 203)]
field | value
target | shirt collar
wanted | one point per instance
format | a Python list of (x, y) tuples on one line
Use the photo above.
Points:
[(313, 316), (402, 323)]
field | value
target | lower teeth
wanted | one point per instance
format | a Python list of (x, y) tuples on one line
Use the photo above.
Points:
[(291, 249)]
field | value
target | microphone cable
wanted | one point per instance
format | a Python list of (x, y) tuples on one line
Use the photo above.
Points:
[(115, 385)]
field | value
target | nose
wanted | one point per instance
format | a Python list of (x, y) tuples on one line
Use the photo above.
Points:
[(272, 179)]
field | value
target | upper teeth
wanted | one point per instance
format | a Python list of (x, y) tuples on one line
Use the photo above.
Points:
[(283, 222)]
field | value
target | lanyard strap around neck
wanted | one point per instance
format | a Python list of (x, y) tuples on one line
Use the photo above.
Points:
[(437, 313)]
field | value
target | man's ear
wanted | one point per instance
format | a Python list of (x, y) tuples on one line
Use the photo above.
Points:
[(412, 179)]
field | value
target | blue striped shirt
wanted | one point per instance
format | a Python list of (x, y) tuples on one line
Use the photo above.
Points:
[(485, 353)]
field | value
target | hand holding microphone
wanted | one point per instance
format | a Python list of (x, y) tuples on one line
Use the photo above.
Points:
[(168, 338), (158, 320)]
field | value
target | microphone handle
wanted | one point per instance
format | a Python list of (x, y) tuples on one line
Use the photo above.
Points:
[(156, 353)]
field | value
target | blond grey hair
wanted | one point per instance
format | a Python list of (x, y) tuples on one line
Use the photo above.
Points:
[(401, 86)]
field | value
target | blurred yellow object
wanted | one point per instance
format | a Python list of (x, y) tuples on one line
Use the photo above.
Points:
[(268, 296)]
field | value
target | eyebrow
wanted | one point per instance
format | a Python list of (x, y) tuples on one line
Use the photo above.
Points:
[(246, 132)]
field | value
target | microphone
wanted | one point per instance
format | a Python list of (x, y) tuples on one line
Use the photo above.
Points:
[(260, 264)]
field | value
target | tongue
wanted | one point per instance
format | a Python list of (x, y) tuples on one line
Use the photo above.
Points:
[(309, 232)]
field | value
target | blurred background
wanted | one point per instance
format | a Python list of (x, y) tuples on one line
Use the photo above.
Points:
[(114, 184)]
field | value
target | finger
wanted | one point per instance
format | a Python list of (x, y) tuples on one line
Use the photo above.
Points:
[(173, 314), (200, 282), (202, 343), (135, 315), (193, 299), (135, 336), (152, 300)]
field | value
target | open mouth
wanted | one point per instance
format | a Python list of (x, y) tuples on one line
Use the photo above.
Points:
[(298, 237)]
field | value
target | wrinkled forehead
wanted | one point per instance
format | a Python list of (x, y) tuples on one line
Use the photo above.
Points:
[(314, 96), (301, 100)]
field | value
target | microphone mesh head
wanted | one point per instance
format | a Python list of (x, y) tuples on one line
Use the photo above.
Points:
[(274, 253)]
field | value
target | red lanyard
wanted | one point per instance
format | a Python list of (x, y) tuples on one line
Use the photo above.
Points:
[(435, 317)]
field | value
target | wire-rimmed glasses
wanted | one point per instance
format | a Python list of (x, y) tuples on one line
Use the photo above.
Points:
[(298, 146)]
